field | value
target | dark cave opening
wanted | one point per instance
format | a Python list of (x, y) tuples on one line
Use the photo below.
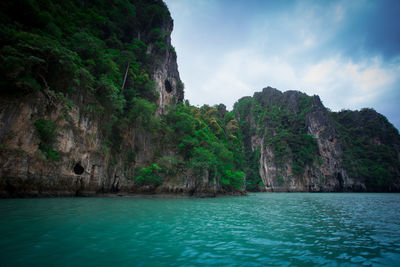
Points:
[(78, 169), (168, 86), (340, 179)]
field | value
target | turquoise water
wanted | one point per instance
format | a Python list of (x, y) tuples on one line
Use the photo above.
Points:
[(261, 229)]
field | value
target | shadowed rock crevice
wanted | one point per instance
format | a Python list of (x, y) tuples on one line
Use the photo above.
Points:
[(168, 86), (78, 169), (339, 177)]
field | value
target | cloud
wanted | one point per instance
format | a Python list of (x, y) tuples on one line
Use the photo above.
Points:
[(241, 73), (346, 52), (339, 82), (342, 83)]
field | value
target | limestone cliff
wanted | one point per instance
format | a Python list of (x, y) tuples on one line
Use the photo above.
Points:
[(91, 103), (79, 118), (301, 147), (166, 75), (86, 165)]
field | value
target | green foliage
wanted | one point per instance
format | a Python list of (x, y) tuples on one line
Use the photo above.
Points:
[(202, 160), (110, 95), (284, 131), (46, 130), (233, 179), (141, 112), (130, 157), (47, 134), (247, 130), (86, 47), (370, 146), (31, 62), (65, 46), (170, 165), (157, 36), (149, 175), (205, 142), (68, 47), (251, 168)]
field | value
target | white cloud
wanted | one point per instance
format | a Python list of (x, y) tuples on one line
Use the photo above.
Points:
[(241, 73), (295, 48), (345, 84), (339, 82)]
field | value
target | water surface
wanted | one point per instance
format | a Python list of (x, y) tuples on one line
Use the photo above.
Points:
[(280, 229)]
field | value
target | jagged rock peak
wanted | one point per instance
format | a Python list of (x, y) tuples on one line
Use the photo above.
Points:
[(270, 96)]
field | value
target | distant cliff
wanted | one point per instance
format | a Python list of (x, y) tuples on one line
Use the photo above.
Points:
[(91, 103), (293, 143)]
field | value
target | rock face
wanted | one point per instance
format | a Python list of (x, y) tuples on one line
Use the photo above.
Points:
[(286, 164), (72, 124), (85, 162), (166, 75), (329, 176), (85, 166), (91, 103)]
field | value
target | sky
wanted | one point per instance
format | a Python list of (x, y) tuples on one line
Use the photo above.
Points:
[(347, 52)]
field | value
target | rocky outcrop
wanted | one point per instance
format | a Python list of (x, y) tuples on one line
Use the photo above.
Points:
[(84, 110), (85, 166), (80, 160), (328, 176), (166, 75), (325, 170)]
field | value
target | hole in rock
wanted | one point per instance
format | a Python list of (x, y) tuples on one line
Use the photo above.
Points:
[(10, 189), (340, 179), (78, 169), (168, 86)]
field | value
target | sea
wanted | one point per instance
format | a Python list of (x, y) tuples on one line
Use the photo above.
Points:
[(261, 229)]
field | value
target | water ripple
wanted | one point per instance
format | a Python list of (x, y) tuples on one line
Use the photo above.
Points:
[(262, 229)]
